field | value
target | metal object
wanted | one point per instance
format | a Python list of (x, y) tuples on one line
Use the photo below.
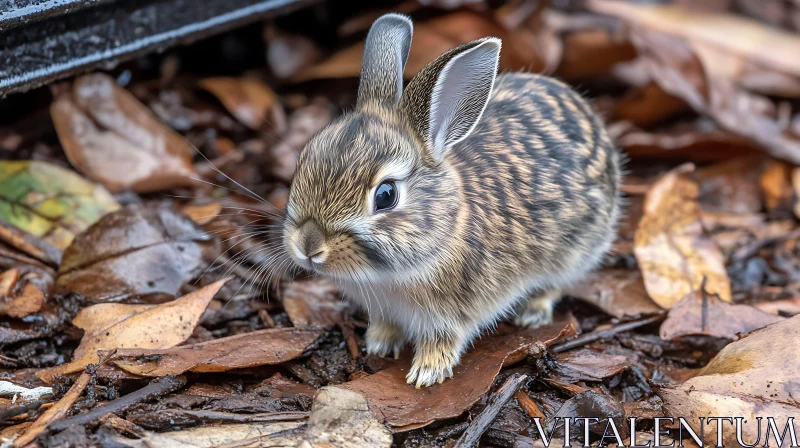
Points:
[(45, 40)]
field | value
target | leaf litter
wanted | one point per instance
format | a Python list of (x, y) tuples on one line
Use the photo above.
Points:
[(703, 281)]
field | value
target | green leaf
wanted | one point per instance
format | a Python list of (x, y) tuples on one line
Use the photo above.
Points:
[(50, 202)]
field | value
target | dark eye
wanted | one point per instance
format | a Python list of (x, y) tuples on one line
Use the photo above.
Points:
[(386, 196)]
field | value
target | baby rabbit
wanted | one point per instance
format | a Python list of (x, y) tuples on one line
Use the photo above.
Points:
[(464, 198)]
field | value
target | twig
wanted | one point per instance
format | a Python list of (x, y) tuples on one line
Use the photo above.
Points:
[(530, 406), (350, 339), (588, 338), (14, 411), (58, 411), (156, 388), (230, 417), (472, 435)]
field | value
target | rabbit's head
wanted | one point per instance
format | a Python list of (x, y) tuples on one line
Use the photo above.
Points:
[(374, 196)]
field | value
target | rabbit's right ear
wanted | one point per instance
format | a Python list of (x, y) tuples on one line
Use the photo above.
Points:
[(446, 99), (385, 54)]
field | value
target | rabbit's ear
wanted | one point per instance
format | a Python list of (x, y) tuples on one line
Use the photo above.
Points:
[(446, 99), (385, 54)]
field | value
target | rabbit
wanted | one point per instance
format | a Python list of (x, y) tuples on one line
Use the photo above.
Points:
[(462, 200)]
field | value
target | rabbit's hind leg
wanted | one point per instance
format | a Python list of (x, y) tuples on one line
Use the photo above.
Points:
[(537, 310)]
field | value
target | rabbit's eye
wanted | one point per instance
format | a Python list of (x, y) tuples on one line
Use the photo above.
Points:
[(385, 196)]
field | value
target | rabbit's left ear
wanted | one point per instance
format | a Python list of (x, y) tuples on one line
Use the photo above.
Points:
[(446, 99), (385, 54)]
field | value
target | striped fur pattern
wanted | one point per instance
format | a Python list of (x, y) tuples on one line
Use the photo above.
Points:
[(492, 226)]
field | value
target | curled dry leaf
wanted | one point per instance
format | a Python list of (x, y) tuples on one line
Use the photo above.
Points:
[(8, 280), (247, 99), (114, 139), (706, 314), (672, 249), (271, 346), (731, 186), (162, 326), (133, 252), (776, 185), (402, 406), (618, 292), (50, 203), (789, 307), (313, 303), (203, 214), (754, 376)]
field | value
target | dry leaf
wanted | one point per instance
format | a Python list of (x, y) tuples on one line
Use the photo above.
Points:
[(247, 99), (341, 417), (313, 303), (48, 202), (673, 251), (731, 186), (776, 184), (618, 292), (786, 307), (684, 58), (431, 39), (402, 405), (260, 435), (8, 280), (271, 346), (203, 214), (134, 252), (303, 124), (706, 314), (111, 137), (588, 365), (162, 326), (29, 302), (754, 376)]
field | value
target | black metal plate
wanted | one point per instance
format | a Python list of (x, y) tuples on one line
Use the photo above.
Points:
[(55, 39)]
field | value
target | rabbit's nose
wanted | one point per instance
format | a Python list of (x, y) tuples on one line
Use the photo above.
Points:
[(311, 243)]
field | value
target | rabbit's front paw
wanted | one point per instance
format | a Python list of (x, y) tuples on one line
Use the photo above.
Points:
[(433, 363), (383, 338)]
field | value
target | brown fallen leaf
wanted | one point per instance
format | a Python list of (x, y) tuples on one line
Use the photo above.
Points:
[(432, 38), (56, 412), (694, 58), (8, 280), (313, 304), (303, 124), (402, 406), (203, 214), (754, 376), (247, 99), (111, 137), (162, 326), (271, 346), (731, 186), (786, 307), (134, 252), (776, 185), (29, 302), (588, 365), (618, 292), (674, 253), (706, 314)]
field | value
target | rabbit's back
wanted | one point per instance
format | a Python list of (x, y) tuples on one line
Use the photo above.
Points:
[(540, 178)]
